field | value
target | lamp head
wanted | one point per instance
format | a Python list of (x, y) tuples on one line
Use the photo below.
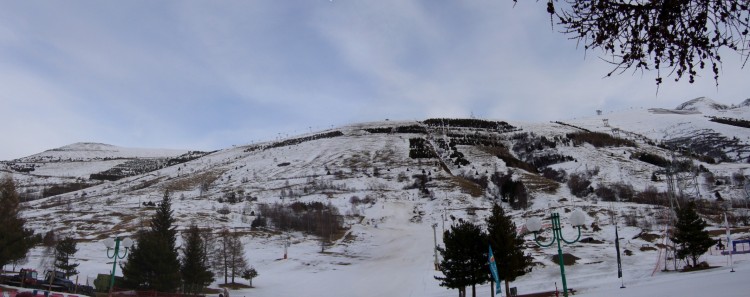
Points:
[(127, 242), (577, 218), (109, 243), (534, 224)]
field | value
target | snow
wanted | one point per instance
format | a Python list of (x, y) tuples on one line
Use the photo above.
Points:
[(388, 249)]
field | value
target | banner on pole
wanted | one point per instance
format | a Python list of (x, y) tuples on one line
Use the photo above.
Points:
[(493, 270), (617, 247)]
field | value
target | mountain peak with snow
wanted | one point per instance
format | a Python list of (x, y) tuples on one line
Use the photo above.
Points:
[(87, 146), (701, 104)]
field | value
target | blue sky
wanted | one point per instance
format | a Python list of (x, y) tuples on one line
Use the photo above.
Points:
[(207, 75)]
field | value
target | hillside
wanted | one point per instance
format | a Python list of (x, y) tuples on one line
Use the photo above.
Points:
[(391, 181)]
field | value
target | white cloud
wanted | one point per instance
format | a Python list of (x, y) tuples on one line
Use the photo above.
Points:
[(205, 75)]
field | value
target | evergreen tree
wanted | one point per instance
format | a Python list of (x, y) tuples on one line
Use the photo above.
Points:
[(249, 274), (194, 265), (15, 240), (507, 246), (64, 249), (153, 262), (464, 260), (690, 234)]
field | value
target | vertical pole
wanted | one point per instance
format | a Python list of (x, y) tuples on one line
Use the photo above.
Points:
[(114, 266), (434, 238), (557, 234)]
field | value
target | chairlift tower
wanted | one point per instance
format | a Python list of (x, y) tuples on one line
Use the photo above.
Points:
[(616, 132), (681, 183), (606, 122)]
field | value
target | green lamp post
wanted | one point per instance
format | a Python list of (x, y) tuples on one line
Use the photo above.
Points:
[(114, 245), (577, 219)]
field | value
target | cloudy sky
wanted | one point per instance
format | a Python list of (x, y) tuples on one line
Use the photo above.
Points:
[(210, 74)]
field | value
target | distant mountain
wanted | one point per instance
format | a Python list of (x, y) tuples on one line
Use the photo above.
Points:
[(83, 151), (701, 103)]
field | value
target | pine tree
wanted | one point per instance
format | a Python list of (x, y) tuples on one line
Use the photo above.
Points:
[(64, 249), (15, 240), (249, 274), (690, 234), (153, 262), (464, 260), (194, 265), (507, 246)]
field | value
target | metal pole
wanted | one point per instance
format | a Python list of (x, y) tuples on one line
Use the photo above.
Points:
[(557, 233), (434, 237), (114, 266)]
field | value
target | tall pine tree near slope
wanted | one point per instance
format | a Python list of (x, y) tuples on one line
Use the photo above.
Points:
[(194, 264), (153, 262), (690, 234), (464, 258), (64, 249), (507, 246), (15, 240)]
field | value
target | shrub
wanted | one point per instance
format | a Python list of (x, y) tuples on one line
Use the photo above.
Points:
[(258, 222), (579, 184), (650, 195), (616, 190), (651, 159), (224, 210), (599, 139), (557, 175), (311, 217)]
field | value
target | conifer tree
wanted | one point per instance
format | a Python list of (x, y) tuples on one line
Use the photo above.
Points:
[(507, 246), (249, 274), (64, 249), (15, 240), (464, 260), (194, 265), (153, 262), (690, 234)]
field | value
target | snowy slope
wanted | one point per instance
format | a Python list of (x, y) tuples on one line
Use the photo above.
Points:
[(388, 246)]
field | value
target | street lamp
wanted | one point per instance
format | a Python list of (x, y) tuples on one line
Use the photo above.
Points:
[(114, 244), (577, 219)]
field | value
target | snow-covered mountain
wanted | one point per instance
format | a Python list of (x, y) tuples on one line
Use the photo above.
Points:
[(412, 176)]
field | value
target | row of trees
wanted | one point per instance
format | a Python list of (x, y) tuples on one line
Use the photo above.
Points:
[(154, 262), (466, 248)]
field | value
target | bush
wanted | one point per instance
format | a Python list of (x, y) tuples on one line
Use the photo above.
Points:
[(224, 210), (651, 159), (258, 222), (312, 217), (599, 139), (557, 175), (580, 185), (650, 195), (615, 192)]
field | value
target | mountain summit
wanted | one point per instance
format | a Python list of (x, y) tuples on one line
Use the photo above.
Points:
[(701, 104)]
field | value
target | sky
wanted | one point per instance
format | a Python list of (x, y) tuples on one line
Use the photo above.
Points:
[(206, 75)]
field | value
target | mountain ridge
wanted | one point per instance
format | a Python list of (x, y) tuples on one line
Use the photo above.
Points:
[(413, 176)]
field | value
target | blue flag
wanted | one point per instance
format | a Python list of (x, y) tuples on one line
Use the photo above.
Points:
[(493, 270)]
